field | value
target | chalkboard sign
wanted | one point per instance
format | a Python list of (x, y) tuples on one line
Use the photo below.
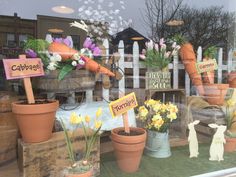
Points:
[(158, 80)]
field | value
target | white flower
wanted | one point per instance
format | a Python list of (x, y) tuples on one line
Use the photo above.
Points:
[(76, 56), (81, 62), (52, 66), (167, 54), (177, 47), (162, 42), (55, 58), (174, 45), (149, 45), (74, 63)]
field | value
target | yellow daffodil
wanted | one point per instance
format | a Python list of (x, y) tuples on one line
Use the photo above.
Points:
[(172, 116), (157, 121), (156, 107), (230, 102), (98, 124), (150, 102), (87, 119), (75, 119), (99, 112), (143, 112), (172, 108), (163, 108), (234, 114)]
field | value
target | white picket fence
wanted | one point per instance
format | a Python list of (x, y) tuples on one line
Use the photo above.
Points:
[(176, 65)]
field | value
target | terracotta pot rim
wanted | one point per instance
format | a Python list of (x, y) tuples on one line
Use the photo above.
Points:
[(115, 130), (128, 139), (88, 173), (230, 138), (34, 108)]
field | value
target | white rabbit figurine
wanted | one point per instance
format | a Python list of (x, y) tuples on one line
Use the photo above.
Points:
[(217, 144), (192, 139)]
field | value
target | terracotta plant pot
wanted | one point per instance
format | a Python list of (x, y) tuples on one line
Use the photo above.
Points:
[(128, 149), (232, 79), (35, 121), (230, 145), (215, 93), (87, 174)]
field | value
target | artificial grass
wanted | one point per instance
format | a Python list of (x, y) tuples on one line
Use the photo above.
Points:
[(178, 165)]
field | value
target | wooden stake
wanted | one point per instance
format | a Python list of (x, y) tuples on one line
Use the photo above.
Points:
[(28, 86), (125, 118)]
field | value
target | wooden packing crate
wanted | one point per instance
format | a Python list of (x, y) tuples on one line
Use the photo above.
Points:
[(207, 116), (6, 98), (177, 97), (50, 158), (8, 119), (8, 143)]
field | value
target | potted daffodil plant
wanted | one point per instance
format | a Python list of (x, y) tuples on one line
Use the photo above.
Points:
[(157, 117), (230, 112), (81, 167)]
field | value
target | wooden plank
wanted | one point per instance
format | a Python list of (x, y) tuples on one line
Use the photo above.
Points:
[(175, 72), (50, 158), (122, 66), (8, 143), (105, 92), (136, 65), (28, 86), (220, 61)]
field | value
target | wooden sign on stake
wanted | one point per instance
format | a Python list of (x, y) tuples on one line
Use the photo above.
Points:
[(206, 66), (24, 68), (121, 107)]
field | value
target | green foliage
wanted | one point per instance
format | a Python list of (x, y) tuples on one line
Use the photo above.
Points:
[(210, 52), (156, 59), (66, 69), (39, 46), (179, 39)]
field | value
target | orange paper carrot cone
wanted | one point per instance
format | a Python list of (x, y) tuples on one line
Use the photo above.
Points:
[(62, 49), (93, 66), (189, 60)]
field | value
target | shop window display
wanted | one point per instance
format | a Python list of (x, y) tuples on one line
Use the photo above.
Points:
[(130, 88)]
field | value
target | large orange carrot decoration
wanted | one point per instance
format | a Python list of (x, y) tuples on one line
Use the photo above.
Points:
[(62, 49), (93, 66), (68, 53), (189, 60)]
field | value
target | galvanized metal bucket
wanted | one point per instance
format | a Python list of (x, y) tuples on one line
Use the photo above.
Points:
[(157, 144)]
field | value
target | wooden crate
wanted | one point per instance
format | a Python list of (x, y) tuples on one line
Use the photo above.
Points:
[(207, 116), (50, 158), (8, 143), (177, 97), (8, 119)]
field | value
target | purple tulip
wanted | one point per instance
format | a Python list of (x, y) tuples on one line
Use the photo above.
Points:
[(59, 40), (30, 53), (92, 47), (96, 51), (67, 42), (87, 43)]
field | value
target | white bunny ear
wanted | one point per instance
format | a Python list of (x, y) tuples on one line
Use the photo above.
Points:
[(196, 122), (213, 125), (223, 128)]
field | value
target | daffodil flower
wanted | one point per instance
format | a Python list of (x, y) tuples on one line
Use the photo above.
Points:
[(87, 119), (99, 112), (75, 119), (98, 124), (230, 102)]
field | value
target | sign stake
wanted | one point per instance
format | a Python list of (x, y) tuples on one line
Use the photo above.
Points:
[(28, 86), (125, 117)]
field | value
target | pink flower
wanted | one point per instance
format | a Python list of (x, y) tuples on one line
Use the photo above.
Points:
[(96, 51), (143, 57), (87, 43), (162, 42), (156, 47)]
